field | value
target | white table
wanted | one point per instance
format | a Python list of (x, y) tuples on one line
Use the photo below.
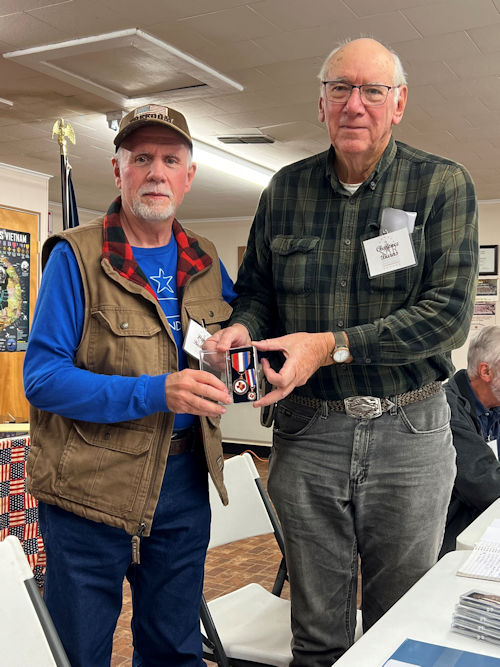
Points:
[(424, 614), (473, 533)]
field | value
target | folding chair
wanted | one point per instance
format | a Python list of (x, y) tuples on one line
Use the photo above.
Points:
[(250, 626), (27, 634)]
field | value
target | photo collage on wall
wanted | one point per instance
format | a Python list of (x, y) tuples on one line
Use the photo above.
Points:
[(14, 290)]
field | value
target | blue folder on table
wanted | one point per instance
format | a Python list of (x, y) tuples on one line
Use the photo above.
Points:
[(423, 654)]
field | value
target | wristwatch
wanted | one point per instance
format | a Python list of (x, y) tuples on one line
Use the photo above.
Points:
[(340, 352)]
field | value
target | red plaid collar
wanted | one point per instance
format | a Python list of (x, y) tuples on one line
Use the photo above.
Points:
[(191, 259)]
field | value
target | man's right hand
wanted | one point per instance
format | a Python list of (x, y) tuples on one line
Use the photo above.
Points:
[(196, 393), (223, 340)]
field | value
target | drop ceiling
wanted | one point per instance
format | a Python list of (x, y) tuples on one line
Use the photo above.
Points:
[(250, 70)]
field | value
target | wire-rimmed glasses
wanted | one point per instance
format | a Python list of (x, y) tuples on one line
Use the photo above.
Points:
[(372, 94)]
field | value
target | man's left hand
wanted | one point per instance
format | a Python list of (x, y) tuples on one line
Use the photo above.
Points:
[(304, 354)]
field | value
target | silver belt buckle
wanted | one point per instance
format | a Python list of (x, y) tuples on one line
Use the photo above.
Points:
[(364, 407)]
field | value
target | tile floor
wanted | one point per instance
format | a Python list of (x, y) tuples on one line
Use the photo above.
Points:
[(259, 563)]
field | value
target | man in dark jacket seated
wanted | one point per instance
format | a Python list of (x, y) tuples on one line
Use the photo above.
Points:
[(474, 399)]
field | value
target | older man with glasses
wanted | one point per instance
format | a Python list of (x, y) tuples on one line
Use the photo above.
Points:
[(360, 273)]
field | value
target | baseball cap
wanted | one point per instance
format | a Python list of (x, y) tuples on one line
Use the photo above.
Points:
[(153, 114)]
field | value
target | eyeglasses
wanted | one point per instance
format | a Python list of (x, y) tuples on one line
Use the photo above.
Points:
[(372, 94)]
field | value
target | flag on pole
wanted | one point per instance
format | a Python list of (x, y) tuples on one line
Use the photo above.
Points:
[(63, 131)]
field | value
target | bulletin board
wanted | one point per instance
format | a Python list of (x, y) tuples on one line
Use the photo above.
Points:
[(18, 291)]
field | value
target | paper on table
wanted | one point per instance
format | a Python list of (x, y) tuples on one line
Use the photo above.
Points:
[(492, 533), (484, 561)]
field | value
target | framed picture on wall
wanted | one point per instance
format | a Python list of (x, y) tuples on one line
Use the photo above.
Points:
[(488, 260)]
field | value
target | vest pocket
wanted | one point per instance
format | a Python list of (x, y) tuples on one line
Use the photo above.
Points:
[(102, 465), (210, 312), (122, 340)]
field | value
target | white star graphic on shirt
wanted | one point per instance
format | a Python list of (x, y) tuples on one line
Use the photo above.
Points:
[(163, 282)]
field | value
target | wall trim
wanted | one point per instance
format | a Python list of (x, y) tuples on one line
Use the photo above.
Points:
[(28, 172)]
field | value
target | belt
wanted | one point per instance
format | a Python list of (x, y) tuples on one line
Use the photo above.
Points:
[(183, 441), (368, 407)]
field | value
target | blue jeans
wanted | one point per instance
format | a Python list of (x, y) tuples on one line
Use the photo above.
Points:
[(346, 487), (88, 561)]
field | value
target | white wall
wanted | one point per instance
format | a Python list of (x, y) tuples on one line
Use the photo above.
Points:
[(84, 215), (489, 234), (26, 190), (227, 235)]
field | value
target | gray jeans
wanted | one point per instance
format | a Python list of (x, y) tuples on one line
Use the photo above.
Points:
[(346, 487)]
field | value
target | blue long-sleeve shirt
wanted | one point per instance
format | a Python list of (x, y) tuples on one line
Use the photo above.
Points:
[(51, 380)]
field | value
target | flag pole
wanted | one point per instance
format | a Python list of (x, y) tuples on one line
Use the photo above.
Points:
[(63, 131)]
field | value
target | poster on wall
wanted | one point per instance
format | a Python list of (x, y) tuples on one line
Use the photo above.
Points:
[(14, 290)]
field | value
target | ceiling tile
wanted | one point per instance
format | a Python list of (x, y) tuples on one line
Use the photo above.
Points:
[(290, 72), (302, 14), (319, 41), (23, 30), (444, 17), (190, 8), (237, 55), (487, 38), (472, 67), (364, 8), (436, 47), (435, 72), (80, 18), (231, 25), (16, 6)]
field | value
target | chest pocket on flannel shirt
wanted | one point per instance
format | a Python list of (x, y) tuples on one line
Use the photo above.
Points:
[(295, 263)]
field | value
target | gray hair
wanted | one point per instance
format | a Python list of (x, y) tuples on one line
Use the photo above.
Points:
[(485, 346), (398, 79)]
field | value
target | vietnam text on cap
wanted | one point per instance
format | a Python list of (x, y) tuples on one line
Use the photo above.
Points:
[(153, 114)]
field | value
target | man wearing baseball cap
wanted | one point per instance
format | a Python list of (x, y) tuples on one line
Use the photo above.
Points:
[(124, 425)]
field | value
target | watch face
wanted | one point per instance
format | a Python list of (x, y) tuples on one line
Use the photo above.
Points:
[(341, 354)]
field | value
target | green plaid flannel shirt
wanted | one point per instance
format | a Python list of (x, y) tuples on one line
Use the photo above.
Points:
[(304, 269)]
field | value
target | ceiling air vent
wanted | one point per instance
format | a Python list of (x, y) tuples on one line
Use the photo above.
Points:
[(246, 139), (127, 67)]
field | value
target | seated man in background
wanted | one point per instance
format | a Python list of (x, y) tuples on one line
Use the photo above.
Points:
[(474, 399)]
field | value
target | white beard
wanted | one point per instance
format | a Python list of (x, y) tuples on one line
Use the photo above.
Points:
[(154, 212)]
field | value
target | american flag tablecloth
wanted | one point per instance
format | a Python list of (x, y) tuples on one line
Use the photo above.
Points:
[(18, 509)]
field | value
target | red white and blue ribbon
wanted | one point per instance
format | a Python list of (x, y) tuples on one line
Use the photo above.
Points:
[(240, 361)]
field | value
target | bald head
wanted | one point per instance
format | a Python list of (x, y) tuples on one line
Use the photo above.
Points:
[(374, 52)]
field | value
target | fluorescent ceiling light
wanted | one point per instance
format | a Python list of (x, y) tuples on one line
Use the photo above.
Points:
[(230, 164)]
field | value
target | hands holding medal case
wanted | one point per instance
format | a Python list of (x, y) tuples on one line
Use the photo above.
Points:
[(237, 368)]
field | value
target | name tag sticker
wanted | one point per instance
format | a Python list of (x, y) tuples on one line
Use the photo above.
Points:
[(389, 252)]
